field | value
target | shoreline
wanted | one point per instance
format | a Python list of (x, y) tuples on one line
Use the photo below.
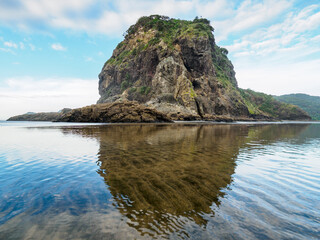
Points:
[(48, 124)]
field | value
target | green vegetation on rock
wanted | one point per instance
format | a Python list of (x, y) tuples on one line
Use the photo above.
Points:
[(310, 104), (166, 29), (260, 103), (162, 56), (169, 29)]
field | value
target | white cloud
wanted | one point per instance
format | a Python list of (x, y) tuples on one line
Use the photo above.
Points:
[(294, 30), (58, 47), (8, 50), (21, 44), (10, 44), (219, 9), (71, 14), (250, 15), (28, 10), (302, 77), (26, 94), (281, 58), (306, 20), (114, 17), (32, 47)]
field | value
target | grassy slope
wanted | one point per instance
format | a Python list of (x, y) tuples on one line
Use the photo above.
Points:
[(166, 30), (310, 104), (261, 103)]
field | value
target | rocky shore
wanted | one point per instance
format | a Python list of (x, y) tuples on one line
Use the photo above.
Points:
[(128, 112)]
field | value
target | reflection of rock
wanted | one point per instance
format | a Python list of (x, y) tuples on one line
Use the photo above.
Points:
[(159, 174), (271, 133), (164, 176)]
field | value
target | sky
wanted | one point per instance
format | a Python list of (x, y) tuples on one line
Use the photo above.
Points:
[(51, 52)]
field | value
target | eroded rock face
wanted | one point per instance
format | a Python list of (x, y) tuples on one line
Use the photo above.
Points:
[(179, 75), (176, 67), (120, 112)]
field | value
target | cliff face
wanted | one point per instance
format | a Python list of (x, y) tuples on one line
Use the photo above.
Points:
[(176, 67)]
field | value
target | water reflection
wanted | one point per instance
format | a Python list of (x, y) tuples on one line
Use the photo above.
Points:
[(162, 176), (191, 181)]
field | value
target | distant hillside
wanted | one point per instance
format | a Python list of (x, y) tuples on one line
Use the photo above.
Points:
[(259, 104), (42, 116), (310, 104)]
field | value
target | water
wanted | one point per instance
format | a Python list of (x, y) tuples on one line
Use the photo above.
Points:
[(165, 181)]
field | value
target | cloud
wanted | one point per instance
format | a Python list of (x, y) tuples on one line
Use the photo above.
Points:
[(289, 40), (32, 47), (58, 47), (114, 17), (10, 44), (282, 57), (286, 78), (8, 50), (27, 94), (250, 15), (29, 10), (21, 44)]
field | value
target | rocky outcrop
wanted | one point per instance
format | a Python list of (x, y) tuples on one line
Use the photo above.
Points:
[(176, 67), (42, 116), (118, 112)]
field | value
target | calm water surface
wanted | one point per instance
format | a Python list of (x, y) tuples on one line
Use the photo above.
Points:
[(178, 181)]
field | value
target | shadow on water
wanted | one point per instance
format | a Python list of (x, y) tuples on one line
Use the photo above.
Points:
[(162, 176)]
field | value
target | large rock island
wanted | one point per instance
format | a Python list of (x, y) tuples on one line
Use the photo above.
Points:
[(176, 67), (169, 69)]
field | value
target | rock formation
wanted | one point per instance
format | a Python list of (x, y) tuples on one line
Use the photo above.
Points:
[(114, 112), (176, 67)]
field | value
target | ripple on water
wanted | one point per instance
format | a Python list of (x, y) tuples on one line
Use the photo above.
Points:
[(160, 181)]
